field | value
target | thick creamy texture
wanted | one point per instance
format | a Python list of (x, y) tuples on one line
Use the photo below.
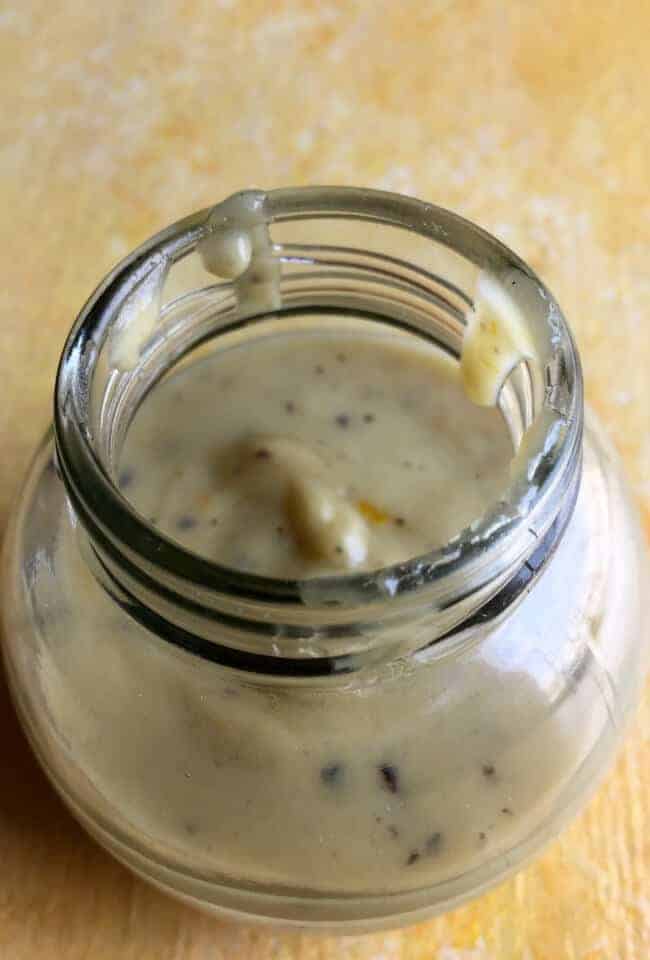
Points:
[(495, 341), (306, 454), (271, 457), (397, 778), (238, 247)]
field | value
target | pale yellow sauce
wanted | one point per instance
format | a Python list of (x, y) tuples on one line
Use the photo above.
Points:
[(495, 341), (295, 456), (391, 779), (298, 455)]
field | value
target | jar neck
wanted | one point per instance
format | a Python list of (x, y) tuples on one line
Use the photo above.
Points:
[(358, 253)]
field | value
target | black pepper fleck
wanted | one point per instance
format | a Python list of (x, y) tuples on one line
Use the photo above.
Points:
[(186, 522), (332, 774), (389, 776), (338, 548), (433, 842), (319, 369), (400, 521), (214, 521), (368, 418), (290, 407), (343, 420), (341, 357), (488, 770), (508, 812), (482, 837), (413, 857), (394, 832), (262, 454), (126, 478)]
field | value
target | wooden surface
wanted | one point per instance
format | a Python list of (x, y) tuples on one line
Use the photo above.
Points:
[(531, 118)]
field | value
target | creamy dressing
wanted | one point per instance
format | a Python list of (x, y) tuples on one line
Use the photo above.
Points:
[(296, 455), (495, 341), (393, 779), (238, 247), (303, 455), (325, 789)]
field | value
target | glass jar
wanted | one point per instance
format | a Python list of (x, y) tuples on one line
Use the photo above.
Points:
[(346, 752)]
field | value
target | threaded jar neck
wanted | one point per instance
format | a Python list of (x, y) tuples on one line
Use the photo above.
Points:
[(349, 252)]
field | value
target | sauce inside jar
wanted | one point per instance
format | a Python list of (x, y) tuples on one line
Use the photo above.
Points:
[(305, 455), (311, 751), (299, 455)]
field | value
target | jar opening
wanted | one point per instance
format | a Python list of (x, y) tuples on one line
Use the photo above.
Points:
[(388, 259)]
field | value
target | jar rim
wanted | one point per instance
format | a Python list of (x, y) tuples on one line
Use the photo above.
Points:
[(498, 542)]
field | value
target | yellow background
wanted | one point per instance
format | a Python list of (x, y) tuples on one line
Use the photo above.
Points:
[(529, 117)]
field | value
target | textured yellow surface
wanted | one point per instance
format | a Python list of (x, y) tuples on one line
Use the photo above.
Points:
[(529, 117)]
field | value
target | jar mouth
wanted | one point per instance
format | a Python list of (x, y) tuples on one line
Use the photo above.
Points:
[(89, 398)]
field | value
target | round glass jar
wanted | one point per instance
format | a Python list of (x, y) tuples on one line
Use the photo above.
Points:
[(347, 752)]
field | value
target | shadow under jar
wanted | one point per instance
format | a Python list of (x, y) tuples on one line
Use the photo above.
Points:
[(348, 750)]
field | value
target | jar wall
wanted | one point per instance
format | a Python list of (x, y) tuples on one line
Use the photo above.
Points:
[(327, 802)]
